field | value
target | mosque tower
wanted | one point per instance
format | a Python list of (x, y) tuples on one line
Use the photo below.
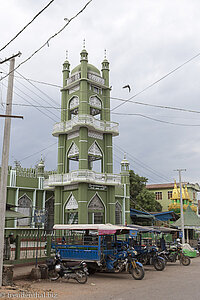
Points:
[(85, 184)]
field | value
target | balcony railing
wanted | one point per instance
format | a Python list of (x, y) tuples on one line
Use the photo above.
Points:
[(86, 120), (87, 176)]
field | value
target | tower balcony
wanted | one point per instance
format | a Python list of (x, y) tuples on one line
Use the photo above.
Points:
[(79, 176), (86, 121)]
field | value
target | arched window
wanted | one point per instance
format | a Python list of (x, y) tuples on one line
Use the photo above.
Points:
[(25, 207), (96, 210), (95, 158), (118, 214), (73, 106), (72, 161), (71, 211), (95, 106)]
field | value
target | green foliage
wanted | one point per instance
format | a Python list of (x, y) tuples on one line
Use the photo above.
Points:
[(141, 197)]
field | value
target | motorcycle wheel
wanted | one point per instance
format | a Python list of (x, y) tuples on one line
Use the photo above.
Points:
[(53, 275), (81, 277), (159, 264), (185, 260), (137, 273), (163, 256), (172, 258)]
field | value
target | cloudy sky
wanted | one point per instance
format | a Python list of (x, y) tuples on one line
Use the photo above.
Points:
[(145, 40)]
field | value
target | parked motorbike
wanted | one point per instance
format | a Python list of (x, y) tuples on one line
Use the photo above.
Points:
[(175, 253), (125, 260), (149, 255), (57, 268)]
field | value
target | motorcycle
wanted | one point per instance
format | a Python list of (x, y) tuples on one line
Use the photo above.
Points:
[(57, 268), (150, 256), (175, 253), (125, 260)]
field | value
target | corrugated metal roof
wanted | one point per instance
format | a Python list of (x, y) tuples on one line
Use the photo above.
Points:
[(191, 220)]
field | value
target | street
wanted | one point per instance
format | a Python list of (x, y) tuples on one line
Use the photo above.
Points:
[(175, 282)]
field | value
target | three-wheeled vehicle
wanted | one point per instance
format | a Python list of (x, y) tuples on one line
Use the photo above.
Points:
[(104, 247)]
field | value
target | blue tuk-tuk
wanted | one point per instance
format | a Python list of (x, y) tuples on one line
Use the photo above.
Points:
[(104, 247)]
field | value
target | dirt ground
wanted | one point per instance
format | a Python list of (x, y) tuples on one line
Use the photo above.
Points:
[(175, 282)]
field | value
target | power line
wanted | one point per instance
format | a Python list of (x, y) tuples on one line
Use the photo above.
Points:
[(155, 105), (30, 103), (34, 99), (37, 81), (22, 76), (150, 177), (163, 222), (26, 25), (38, 152), (155, 82), (54, 35), (115, 98), (143, 165), (157, 120), (51, 99)]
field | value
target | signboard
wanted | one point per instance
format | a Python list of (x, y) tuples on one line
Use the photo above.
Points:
[(133, 233), (39, 216), (180, 234)]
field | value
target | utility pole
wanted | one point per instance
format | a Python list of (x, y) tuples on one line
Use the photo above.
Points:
[(181, 200), (5, 158)]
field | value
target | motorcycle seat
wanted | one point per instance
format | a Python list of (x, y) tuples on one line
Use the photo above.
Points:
[(75, 267)]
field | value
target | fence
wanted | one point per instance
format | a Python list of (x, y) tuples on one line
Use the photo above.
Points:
[(26, 245)]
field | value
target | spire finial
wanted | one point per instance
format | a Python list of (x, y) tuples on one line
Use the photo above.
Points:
[(83, 43), (124, 155), (66, 54), (105, 53)]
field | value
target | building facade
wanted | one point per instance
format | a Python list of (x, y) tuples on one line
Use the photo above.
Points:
[(164, 192), (85, 188), (25, 193)]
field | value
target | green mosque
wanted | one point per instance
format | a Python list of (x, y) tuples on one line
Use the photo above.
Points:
[(85, 188)]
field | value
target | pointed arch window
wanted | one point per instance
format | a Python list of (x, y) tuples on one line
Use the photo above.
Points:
[(96, 210), (73, 153), (94, 152), (73, 106), (71, 211), (25, 207), (118, 214), (95, 106), (96, 203)]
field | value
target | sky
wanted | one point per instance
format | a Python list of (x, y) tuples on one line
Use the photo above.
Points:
[(144, 41)]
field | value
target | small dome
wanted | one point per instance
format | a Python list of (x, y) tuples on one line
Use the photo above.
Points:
[(124, 161), (90, 68)]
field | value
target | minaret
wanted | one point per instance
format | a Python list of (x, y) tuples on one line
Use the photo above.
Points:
[(85, 184), (125, 180)]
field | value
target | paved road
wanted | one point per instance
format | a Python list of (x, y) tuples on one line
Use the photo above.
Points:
[(175, 282)]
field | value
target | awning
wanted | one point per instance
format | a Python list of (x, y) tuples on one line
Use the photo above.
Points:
[(101, 228)]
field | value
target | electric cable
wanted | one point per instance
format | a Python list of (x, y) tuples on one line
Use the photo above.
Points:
[(157, 120), (47, 42), (26, 157), (143, 165), (34, 99), (31, 103), (27, 25), (36, 81), (160, 79)]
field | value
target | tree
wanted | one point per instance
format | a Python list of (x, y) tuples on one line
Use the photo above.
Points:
[(141, 198)]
